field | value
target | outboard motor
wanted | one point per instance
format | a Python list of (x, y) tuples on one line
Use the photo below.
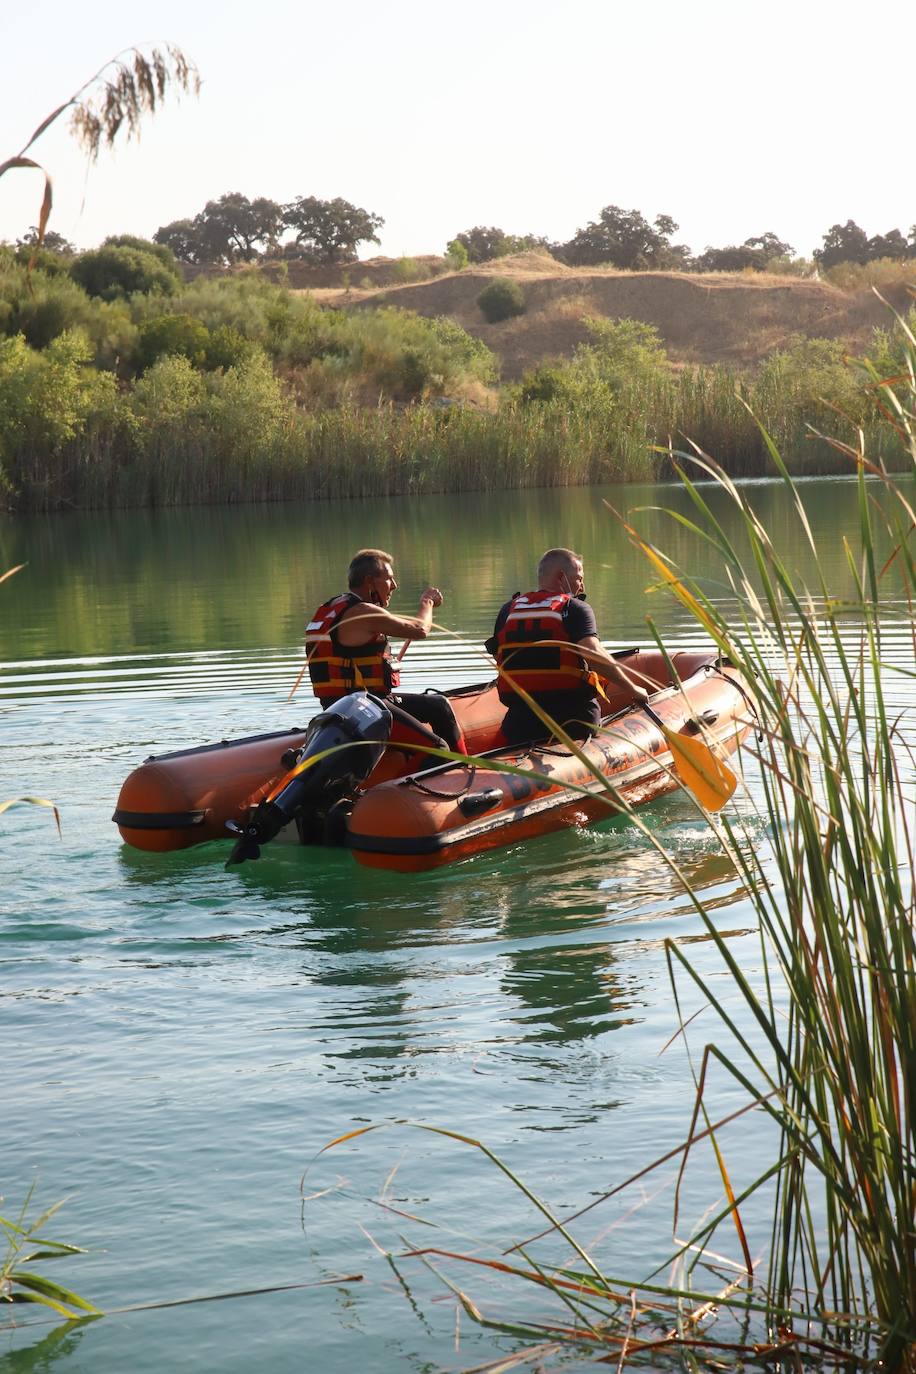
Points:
[(356, 729)]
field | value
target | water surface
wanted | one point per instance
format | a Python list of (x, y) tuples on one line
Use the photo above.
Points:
[(180, 1041)]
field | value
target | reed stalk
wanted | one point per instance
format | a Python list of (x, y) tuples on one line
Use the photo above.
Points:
[(19, 1283), (832, 1053), (821, 1037)]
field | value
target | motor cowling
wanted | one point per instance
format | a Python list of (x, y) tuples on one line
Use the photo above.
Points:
[(342, 746)]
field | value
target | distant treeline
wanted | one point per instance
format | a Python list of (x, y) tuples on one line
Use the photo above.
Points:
[(625, 239), (121, 384), (235, 229)]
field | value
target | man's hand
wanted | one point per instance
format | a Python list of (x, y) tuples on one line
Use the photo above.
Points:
[(362, 622)]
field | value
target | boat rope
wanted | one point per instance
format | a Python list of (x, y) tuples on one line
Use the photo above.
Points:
[(751, 706), (561, 750), (444, 796)]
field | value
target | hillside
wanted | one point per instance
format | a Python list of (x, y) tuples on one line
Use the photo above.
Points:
[(711, 318)]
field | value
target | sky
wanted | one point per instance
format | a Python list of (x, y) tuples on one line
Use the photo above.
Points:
[(733, 118)]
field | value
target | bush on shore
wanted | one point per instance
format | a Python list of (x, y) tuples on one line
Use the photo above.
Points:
[(501, 300), (111, 272)]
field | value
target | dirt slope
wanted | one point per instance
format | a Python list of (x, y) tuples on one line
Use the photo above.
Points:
[(728, 318)]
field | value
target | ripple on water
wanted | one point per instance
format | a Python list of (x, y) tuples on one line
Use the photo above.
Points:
[(181, 1041)]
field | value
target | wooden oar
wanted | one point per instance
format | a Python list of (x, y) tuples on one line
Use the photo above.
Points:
[(298, 679), (710, 780)]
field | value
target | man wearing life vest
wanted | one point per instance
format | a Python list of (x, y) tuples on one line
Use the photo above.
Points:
[(347, 646), (546, 642)]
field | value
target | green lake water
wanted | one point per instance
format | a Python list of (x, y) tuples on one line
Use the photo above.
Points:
[(179, 1041)]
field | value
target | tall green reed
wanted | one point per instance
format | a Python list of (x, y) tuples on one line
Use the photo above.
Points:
[(25, 1247), (820, 1037), (832, 1058)]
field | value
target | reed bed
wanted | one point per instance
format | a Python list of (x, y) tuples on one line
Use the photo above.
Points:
[(288, 419), (240, 438), (820, 1038)]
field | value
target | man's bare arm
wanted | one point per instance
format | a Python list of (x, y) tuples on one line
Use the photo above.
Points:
[(598, 658), (364, 622)]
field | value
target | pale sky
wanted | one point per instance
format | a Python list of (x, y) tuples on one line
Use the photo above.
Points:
[(733, 118)]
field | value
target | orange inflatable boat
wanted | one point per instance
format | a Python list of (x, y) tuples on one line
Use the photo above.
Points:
[(449, 813), (342, 781), (173, 801)]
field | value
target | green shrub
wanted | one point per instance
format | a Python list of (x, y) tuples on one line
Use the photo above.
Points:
[(248, 408), (210, 436), (551, 382), (113, 272), (468, 352), (456, 256), (42, 308), (227, 347), (807, 383), (55, 414), (621, 352), (406, 270), (791, 267), (501, 300), (169, 393), (172, 335), (292, 328), (51, 261), (624, 358), (881, 272), (158, 250), (111, 331), (407, 377)]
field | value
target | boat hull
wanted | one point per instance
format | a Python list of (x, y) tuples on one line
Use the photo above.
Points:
[(173, 801), (444, 815)]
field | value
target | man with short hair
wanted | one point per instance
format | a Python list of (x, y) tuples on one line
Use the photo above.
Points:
[(347, 646), (546, 642)]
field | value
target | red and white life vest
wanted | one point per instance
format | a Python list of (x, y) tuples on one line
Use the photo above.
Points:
[(524, 652), (336, 669)]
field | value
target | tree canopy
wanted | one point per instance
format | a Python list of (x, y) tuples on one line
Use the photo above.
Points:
[(843, 243), (624, 238), (328, 231), (484, 243), (51, 241), (756, 253), (849, 243), (112, 272), (234, 228)]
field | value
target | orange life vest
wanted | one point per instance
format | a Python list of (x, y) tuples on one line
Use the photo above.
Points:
[(532, 618), (336, 669)]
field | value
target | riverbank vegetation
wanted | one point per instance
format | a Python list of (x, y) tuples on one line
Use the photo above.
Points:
[(123, 385)]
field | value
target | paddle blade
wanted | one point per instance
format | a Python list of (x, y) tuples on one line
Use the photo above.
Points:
[(710, 780)]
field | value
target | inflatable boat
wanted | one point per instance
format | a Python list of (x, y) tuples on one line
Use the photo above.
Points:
[(341, 782)]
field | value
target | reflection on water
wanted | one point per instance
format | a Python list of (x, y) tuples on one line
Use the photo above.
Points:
[(54, 1348), (180, 1040), (241, 580)]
